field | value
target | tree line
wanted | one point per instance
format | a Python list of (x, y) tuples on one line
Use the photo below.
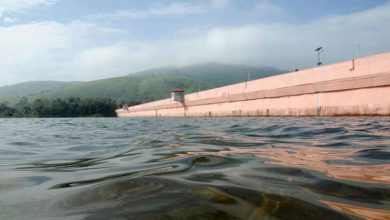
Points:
[(71, 107)]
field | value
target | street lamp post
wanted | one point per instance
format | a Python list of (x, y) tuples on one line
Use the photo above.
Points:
[(357, 50), (319, 51)]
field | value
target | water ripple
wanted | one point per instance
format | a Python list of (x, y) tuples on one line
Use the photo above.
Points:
[(198, 168)]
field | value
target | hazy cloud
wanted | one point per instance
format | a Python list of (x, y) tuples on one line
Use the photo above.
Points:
[(22, 43), (173, 9), (220, 4), (50, 50), (281, 45), (17, 6), (267, 8), (9, 20)]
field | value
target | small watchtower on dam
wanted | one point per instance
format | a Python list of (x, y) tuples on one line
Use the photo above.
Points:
[(357, 87), (177, 95)]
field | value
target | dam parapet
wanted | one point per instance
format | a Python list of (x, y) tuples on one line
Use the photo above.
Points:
[(358, 87)]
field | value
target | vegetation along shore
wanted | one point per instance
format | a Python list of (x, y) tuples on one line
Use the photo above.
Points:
[(70, 107)]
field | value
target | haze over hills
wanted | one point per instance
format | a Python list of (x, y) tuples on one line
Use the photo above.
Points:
[(217, 74), (142, 86)]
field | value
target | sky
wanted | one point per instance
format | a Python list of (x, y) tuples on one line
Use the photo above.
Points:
[(77, 40)]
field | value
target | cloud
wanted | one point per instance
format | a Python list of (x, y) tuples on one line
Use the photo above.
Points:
[(176, 9), (9, 20), (173, 9), (55, 51), (282, 45), (18, 6), (266, 8), (22, 43), (26, 48), (220, 4)]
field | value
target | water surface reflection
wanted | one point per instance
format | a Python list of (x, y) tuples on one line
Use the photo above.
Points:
[(199, 168)]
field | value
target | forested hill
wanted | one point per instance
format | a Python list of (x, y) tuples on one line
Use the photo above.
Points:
[(33, 88), (214, 73), (155, 84)]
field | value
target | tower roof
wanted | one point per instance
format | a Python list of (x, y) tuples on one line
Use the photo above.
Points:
[(177, 90)]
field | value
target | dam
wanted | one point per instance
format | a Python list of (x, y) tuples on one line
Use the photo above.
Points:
[(357, 87)]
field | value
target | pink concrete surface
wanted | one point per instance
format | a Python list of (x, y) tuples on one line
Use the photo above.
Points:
[(355, 87)]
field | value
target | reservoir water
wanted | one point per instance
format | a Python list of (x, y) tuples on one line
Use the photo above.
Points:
[(195, 168)]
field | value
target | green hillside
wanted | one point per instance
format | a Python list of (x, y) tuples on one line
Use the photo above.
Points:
[(130, 88), (214, 73), (150, 85), (33, 88)]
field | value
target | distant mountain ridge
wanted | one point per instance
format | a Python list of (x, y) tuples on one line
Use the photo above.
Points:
[(146, 85)]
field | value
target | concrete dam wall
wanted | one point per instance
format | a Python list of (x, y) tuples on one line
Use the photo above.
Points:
[(356, 87)]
